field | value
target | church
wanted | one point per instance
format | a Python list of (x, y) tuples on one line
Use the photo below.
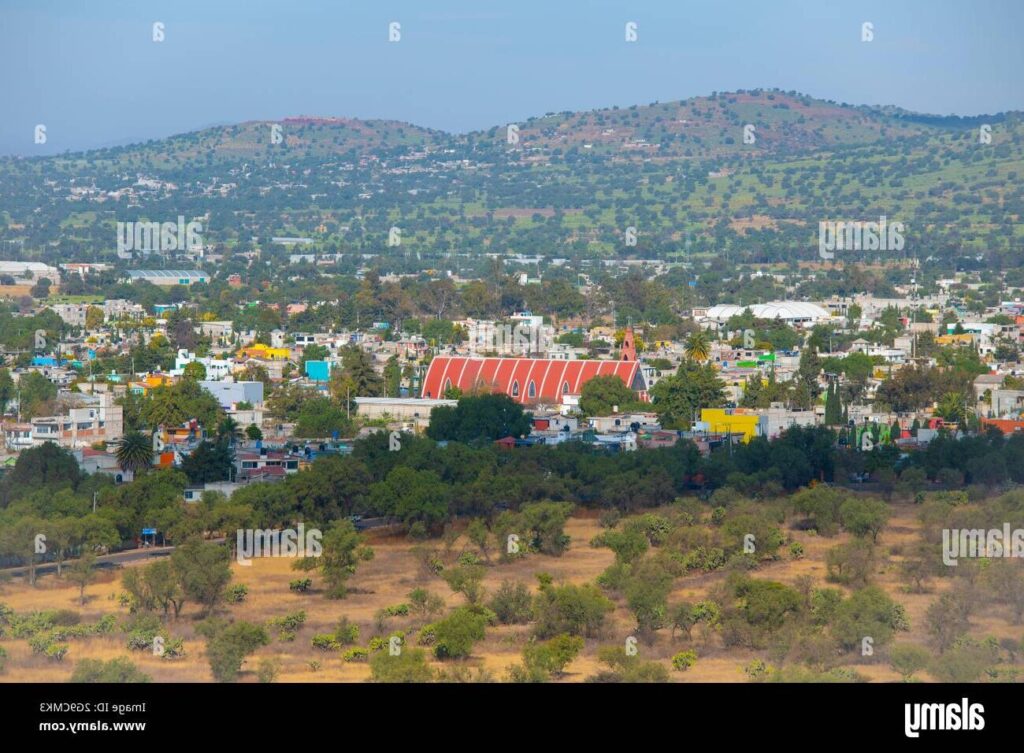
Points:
[(532, 381)]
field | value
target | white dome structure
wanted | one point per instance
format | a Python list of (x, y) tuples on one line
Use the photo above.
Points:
[(791, 312)]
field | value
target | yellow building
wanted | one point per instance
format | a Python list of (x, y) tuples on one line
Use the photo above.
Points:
[(720, 421), (961, 340), (265, 353)]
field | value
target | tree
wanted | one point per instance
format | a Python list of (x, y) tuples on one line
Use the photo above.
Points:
[(227, 646), (35, 392), (479, 418), (512, 603), (194, 371), (478, 534), (7, 390), (456, 633), (253, 433), (964, 662), (833, 406), (862, 517), (203, 571), (209, 461), (647, 591), (679, 398), (425, 604), (908, 659), (42, 288), (544, 523), (850, 564), (602, 395), (576, 610), (312, 352), (953, 407), (343, 550), (869, 612), (543, 660), (319, 417), (83, 572), (134, 452), (822, 505), (94, 318), (165, 584), (412, 496), (46, 465), (697, 346), (1005, 581), (229, 430), (467, 580), (357, 371), (684, 617), (808, 370), (20, 539), (946, 620)]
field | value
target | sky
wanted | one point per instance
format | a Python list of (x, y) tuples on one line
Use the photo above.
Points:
[(92, 74)]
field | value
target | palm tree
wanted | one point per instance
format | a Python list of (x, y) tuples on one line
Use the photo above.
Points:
[(229, 429), (697, 346), (953, 407), (134, 452)]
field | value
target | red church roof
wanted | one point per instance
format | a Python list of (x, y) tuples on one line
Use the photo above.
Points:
[(526, 380)]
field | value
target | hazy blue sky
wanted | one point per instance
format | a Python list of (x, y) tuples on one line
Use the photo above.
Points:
[(91, 72)]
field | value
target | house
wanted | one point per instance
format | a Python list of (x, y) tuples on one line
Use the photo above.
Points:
[(264, 465)]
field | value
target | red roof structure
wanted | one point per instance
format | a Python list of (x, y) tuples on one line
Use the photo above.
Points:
[(526, 380)]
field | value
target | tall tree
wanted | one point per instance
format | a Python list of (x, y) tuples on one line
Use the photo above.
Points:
[(134, 452)]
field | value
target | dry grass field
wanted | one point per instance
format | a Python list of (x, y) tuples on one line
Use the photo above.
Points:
[(394, 572)]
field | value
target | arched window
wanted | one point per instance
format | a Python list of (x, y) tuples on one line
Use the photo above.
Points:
[(515, 388), (447, 385), (532, 389), (565, 388)]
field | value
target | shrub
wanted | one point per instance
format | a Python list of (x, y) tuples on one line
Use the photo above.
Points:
[(355, 654), (407, 666), (300, 585), (237, 593), (908, 658), (288, 625), (684, 660), (576, 610), (456, 633), (267, 670), (425, 604), (65, 617), (119, 670), (326, 642), (757, 670), (512, 603), (347, 633)]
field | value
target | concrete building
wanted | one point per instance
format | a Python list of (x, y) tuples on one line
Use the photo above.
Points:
[(229, 394), (167, 278)]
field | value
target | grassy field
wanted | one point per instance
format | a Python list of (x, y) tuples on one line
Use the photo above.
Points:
[(394, 572)]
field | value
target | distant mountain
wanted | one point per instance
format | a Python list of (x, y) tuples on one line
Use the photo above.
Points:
[(746, 175)]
